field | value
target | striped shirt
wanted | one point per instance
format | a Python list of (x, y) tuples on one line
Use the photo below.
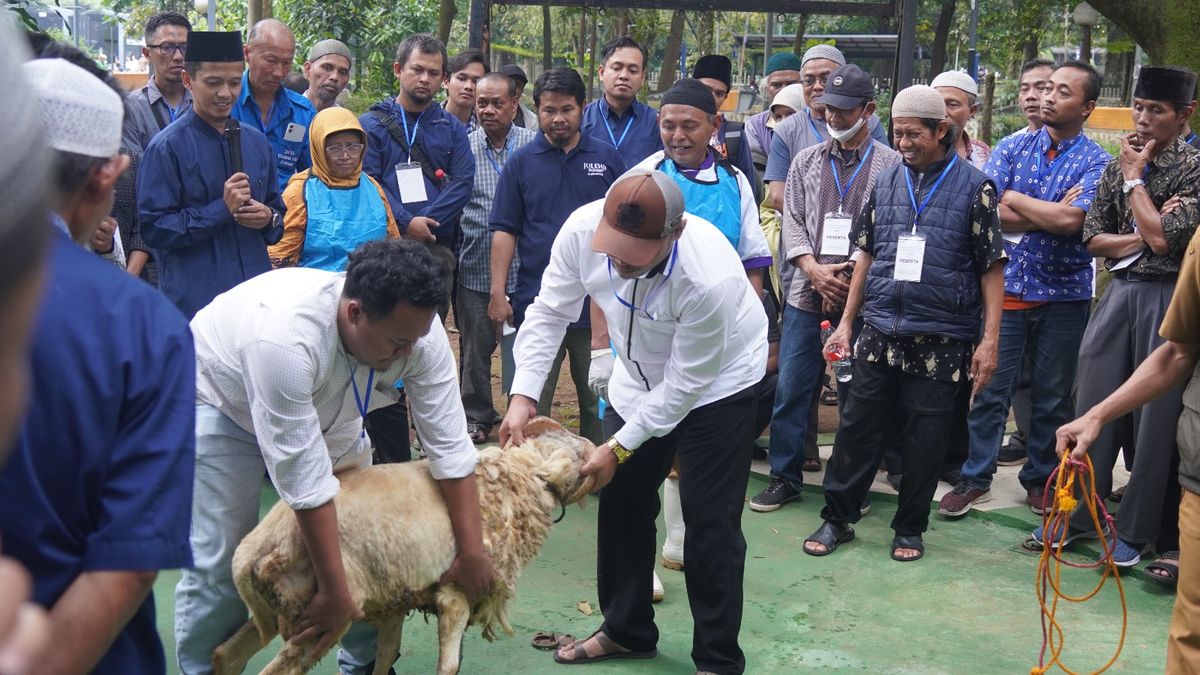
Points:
[(474, 258), (810, 193)]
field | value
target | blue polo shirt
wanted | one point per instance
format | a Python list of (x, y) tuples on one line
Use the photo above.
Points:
[(539, 188), (634, 134), (286, 127), (1044, 266), (101, 475)]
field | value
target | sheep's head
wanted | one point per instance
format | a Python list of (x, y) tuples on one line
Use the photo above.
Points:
[(563, 455)]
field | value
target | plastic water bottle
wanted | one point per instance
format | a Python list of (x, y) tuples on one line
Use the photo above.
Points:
[(837, 356)]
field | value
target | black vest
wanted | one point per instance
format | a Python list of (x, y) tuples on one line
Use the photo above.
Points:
[(947, 300)]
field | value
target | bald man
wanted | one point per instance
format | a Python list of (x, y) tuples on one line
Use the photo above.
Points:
[(265, 104)]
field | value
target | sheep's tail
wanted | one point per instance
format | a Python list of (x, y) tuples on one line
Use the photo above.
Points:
[(492, 612)]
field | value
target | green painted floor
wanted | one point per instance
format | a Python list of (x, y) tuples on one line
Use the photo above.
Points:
[(968, 607)]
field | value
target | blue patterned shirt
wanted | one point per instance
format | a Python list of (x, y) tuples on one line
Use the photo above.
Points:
[(1043, 266)]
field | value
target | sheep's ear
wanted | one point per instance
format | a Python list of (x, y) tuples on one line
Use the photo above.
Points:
[(540, 425)]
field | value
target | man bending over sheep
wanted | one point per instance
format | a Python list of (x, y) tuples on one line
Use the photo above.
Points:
[(287, 365)]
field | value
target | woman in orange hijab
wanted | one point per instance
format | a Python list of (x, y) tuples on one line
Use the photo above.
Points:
[(332, 207)]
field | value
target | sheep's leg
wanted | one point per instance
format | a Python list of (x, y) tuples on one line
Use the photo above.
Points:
[(453, 613), (231, 657), (387, 648), (296, 659)]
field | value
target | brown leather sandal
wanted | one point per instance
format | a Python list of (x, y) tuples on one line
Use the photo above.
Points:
[(611, 649)]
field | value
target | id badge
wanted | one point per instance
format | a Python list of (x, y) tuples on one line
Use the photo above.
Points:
[(411, 182), (294, 133), (835, 234), (910, 257)]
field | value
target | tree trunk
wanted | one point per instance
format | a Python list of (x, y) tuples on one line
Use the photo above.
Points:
[(582, 55), (1118, 66), (801, 28), (254, 13), (547, 41), (1030, 48), (670, 65), (704, 33), (446, 15), (941, 36)]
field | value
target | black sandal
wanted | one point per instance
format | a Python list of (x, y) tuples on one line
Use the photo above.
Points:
[(913, 542), (830, 535), (1168, 565)]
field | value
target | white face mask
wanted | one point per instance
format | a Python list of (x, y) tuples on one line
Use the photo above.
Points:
[(843, 136)]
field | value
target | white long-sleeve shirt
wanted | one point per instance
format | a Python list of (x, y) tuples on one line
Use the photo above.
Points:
[(697, 336), (269, 357)]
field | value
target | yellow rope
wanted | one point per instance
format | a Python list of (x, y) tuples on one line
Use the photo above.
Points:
[(1056, 520)]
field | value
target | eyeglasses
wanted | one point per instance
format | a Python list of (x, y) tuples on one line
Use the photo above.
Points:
[(169, 48), (351, 150), (811, 80)]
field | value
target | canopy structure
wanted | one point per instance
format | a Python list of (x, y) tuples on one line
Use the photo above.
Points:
[(905, 44)]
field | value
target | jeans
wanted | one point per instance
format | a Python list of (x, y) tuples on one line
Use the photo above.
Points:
[(801, 367), (1052, 334), (476, 344), (228, 483)]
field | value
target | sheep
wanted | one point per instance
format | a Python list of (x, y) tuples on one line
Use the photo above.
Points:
[(397, 540)]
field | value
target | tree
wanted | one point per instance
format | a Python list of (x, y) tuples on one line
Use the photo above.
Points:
[(941, 35), (446, 13), (801, 28), (547, 39), (666, 77), (1166, 29)]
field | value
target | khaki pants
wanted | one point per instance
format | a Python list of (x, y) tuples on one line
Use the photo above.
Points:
[(1183, 642)]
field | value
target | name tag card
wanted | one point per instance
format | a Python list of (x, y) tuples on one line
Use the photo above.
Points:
[(910, 257), (411, 182), (835, 234)]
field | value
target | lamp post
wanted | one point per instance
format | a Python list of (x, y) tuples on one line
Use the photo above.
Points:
[(1086, 18), (972, 51), (209, 8)]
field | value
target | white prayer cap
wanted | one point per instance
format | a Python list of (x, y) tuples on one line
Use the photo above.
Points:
[(81, 114), (919, 101), (824, 52), (958, 80)]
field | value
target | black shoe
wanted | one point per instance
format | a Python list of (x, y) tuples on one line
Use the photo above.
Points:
[(894, 479), (952, 476), (777, 493), (1012, 455)]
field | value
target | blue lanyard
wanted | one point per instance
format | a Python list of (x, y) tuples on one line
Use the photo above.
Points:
[(617, 143), (416, 125), (812, 125), (849, 184), (1190, 137), (936, 184), (172, 112), (358, 399), (653, 291), (487, 150)]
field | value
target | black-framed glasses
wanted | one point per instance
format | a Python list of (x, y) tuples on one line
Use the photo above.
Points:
[(811, 80), (169, 48), (349, 150)]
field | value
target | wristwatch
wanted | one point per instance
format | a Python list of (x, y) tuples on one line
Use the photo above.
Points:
[(1128, 185), (623, 453)]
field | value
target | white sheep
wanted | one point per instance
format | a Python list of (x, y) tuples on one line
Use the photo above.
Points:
[(397, 541)]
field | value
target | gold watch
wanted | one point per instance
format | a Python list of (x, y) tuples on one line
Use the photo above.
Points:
[(623, 453)]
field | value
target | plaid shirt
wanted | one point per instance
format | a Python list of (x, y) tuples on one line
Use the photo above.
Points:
[(474, 258), (1175, 171), (809, 193)]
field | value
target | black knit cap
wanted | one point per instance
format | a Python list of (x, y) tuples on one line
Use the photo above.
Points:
[(714, 66), (214, 46), (1166, 83), (691, 92)]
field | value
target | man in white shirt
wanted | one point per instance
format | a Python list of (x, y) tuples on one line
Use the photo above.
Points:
[(281, 385), (691, 343)]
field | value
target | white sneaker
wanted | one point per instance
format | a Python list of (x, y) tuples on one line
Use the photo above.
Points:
[(672, 550), (657, 594)]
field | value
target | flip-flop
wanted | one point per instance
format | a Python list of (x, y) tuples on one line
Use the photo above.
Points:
[(1168, 563), (830, 535), (611, 649), (911, 541), (547, 640)]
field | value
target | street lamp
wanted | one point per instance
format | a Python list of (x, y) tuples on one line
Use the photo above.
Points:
[(209, 8), (1085, 16)]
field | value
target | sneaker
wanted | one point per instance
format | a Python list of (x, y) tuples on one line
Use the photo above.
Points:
[(1124, 554), (777, 493), (1011, 455), (865, 507), (1035, 497), (656, 593), (960, 500), (1036, 538)]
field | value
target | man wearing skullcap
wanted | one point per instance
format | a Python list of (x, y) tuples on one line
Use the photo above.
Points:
[(783, 69), (716, 72), (928, 286), (525, 117), (961, 94), (210, 221), (1047, 182), (807, 127), (327, 70), (97, 495), (281, 114), (1145, 213)]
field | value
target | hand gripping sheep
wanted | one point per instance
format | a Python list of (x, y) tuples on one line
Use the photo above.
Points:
[(397, 541)]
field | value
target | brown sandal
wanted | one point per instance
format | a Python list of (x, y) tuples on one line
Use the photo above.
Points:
[(547, 640), (611, 649)]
